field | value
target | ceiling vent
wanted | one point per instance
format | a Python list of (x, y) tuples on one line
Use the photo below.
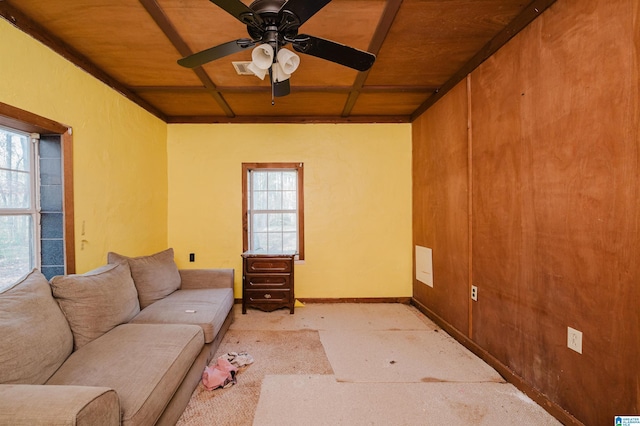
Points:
[(242, 67)]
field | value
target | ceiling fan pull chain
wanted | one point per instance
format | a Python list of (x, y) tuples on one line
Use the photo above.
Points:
[(273, 97)]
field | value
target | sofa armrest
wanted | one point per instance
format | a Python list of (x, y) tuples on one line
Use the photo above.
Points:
[(59, 405), (206, 278)]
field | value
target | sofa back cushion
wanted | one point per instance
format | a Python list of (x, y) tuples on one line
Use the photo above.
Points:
[(36, 336), (155, 276), (97, 301)]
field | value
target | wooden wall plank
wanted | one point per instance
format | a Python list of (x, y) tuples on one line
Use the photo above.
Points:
[(440, 214)]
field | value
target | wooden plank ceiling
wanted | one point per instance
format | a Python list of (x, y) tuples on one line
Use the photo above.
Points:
[(423, 48)]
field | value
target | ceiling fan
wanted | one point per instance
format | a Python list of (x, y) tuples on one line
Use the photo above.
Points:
[(271, 25)]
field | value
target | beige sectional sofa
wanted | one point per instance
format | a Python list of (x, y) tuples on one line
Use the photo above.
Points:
[(124, 344)]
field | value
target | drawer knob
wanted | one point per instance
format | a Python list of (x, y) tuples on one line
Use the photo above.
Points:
[(267, 296)]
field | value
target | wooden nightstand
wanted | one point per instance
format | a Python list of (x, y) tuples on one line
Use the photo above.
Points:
[(267, 281)]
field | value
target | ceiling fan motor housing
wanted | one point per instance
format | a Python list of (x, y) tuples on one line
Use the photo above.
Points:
[(273, 25)]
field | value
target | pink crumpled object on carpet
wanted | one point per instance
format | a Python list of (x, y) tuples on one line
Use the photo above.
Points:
[(220, 375)]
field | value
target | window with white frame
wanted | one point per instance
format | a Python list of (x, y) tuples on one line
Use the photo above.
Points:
[(273, 211), (36, 196), (19, 228)]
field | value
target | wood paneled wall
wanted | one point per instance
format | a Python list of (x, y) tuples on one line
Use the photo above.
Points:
[(440, 205), (554, 179)]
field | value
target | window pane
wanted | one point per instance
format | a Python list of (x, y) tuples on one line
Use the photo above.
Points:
[(260, 200), (260, 222), (275, 222), (289, 200), (15, 190), (260, 241), (15, 164), (289, 222), (275, 180), (14, 151), (259, 181), (16, 255), (275, 243), (289, 181), (275, 201), (289, 241)]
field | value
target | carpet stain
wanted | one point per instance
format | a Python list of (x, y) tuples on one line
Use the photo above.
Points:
[(431, 380), (471, 414)]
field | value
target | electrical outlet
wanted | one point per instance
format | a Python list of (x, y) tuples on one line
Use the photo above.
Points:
[(192, 257), (474, 293), (574, 339)]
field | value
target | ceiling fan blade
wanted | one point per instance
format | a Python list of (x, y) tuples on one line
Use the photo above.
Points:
[(334, 52), (303, 9), (216, 52), (240, 11)]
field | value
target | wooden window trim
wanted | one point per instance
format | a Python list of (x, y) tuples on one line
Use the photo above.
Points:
[(28, 122), (245, 225)]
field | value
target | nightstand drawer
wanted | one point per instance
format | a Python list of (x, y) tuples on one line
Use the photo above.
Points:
[(271, 265), (269, 296), (274, 281)]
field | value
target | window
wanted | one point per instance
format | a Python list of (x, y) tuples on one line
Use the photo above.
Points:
[(36, 196), (18, 206), (272, 208)]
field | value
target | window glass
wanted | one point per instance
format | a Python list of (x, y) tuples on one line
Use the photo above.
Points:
[(17, 209), (15, 165), (16, 248), (274, 200), (273, 210)]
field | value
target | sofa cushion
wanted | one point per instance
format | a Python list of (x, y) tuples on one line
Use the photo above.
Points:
[(143, 363), (97, 301), (36, 335), (155, 276), (206, 308)]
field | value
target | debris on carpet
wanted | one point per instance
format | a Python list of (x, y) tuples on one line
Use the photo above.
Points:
[(223, 373)]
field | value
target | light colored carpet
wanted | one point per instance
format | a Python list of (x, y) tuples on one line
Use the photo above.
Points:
[(320, 400), (337, 316), (357, 364), (402, 356)]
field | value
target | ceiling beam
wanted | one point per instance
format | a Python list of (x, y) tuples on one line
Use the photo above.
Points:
[(163, 22), (296, 89), (531, 12), (26, 25), (380, 34), (262, 119)]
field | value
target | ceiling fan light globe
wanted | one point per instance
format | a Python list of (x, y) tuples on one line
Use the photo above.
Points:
[(279, 74), (288, 61), (257, 71), (262, 56)]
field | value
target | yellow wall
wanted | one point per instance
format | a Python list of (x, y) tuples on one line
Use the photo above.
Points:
[(131, 199), (120, 159), (357, 189)]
